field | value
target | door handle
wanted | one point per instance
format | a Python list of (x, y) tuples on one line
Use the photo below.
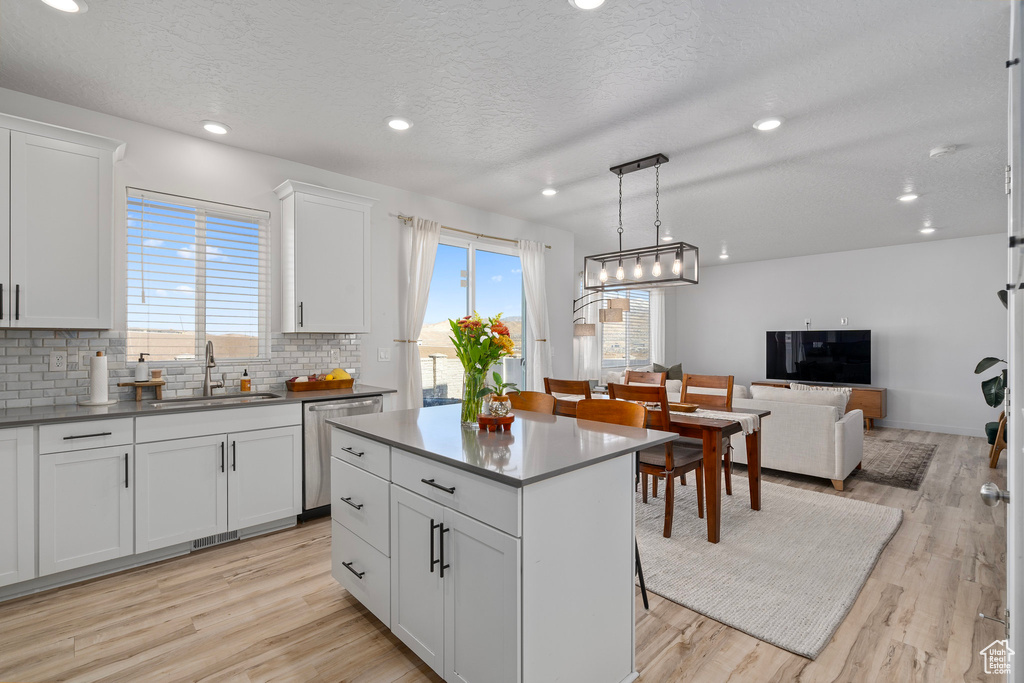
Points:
[(221, 456), (17, 302), (300, 314), (992, 496), (234, 457), (349, 501), (431, 482), (441, 539), (432, 560), (126, 470), (348, 566), (1, 301)]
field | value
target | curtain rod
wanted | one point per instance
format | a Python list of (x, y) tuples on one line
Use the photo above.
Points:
[(408, 219)]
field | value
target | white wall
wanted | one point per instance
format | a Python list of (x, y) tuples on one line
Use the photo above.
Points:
[(165, 161), (931, 308)]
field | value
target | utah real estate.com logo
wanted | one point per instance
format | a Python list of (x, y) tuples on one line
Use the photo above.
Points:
[(997, 657)]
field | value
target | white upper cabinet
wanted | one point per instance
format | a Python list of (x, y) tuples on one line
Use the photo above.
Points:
[(56, 223), (325, 259)]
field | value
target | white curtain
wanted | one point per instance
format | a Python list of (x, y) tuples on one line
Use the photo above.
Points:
[(538, 357), (587, 350), (658, 326), (422, 251)]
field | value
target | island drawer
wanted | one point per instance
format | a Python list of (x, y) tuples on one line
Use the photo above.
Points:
[(362, 503), (362, 571), (76, 436), (372, 456), (472, 495)]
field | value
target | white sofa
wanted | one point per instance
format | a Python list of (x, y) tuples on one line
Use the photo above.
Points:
[(807, 432)]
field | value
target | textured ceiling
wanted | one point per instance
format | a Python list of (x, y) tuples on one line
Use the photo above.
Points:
[(508, 97)]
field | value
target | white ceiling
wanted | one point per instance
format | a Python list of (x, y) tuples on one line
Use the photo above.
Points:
[(510, 96)]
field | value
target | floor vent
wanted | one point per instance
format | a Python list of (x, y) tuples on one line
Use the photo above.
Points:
[(216, 539)]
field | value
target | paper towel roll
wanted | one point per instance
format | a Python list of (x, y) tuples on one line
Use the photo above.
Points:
[(98, 379)]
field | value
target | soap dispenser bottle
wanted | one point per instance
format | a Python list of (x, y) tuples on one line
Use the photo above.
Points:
[(246, 383), (142, 369)]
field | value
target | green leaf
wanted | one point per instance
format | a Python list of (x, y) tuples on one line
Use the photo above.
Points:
[(985, 363), (497, 378), (994, 389)]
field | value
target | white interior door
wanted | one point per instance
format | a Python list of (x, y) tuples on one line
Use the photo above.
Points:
[(417, 588), (265, 476), (60, 227)]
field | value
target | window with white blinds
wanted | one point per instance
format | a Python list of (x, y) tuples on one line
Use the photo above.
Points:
[(197, 272), (628, 344)]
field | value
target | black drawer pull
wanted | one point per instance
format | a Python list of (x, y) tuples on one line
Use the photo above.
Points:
[(349, 450), (349, 501), (348, 566), (431, 482), (87, 436)]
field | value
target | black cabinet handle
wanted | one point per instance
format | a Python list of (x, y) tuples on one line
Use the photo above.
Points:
[(349, 501), (87, 436), (348, 566), (1, 301), (234, 457), (441, 537), (126, 470), (431, 482), (349, 450), (221, 456), (17, 302), (300, 314), (432, 560)]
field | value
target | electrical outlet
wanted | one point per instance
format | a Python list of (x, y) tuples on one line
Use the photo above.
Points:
[(58, 361), (844, 321), (384, 354), (335, 357)]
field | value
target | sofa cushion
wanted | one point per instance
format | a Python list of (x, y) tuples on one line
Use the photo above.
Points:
[(673, 372), (821, 398), (845, 391), (740, 391)]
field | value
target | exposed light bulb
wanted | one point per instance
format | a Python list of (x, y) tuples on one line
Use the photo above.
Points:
[(677, 265), (603, 277), (620, 274), (638, 270), (656, 269)]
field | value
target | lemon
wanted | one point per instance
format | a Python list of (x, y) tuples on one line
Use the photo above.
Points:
[(329, 378)]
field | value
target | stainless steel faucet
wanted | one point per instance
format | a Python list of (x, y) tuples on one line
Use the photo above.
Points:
[(208, 385)]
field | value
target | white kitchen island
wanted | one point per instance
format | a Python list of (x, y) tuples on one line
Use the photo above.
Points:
[(495, 556)]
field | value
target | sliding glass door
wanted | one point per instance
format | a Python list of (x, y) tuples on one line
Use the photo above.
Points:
[(469, 276)]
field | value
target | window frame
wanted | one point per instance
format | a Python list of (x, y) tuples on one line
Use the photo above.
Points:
[(625, 322), (258, 217)]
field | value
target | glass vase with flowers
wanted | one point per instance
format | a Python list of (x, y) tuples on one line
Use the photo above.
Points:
[(479, 344)]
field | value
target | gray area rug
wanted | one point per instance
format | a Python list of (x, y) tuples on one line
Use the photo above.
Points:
[(787, 575), (895, 463)]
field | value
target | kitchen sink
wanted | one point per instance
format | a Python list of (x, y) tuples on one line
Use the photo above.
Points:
[(216, 400)]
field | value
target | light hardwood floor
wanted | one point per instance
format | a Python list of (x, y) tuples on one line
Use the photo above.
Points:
[(267, 608)]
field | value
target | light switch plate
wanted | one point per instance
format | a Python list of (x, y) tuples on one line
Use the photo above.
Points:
[(384, 354), (58, 361)]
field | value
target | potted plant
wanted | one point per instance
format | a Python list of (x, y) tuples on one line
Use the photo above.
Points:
[(499, 404), (994, 388), (479, 344)]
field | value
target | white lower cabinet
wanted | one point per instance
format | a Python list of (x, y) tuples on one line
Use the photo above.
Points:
[(85, 507), (182, 491), (206, 485), (17, 506), (454, 591)]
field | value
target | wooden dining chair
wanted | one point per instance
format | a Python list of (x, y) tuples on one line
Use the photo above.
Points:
[(634, 377), (673, 459), (567, 386), (533, 401), (722, 398), (996, 433), (625, 414)]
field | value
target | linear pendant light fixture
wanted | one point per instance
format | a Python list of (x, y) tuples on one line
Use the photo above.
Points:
[(659, 265)]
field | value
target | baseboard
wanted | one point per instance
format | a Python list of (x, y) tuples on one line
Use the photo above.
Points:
[(924, 427)]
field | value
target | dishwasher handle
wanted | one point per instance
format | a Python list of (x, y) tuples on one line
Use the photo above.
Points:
[(317, 408)]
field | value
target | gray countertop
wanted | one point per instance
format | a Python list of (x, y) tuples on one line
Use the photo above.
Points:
[(537, 446), (21, 417)]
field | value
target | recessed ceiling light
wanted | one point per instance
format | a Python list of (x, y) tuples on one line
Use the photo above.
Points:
[(908, 197), (666, 238), (71, 6), (215, 127), (926, 230), (549, 192), (768, 124), (586, 4), (399, 123), (723, 256)]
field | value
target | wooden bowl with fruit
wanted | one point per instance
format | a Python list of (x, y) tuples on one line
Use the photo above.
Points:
[(335, 379)]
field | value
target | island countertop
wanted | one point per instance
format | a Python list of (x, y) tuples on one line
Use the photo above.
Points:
[(536, 447)]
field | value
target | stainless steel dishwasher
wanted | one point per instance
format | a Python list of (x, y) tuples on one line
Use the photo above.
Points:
[(316, 448)]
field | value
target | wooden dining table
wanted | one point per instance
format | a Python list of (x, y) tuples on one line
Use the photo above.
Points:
[(711, 432)]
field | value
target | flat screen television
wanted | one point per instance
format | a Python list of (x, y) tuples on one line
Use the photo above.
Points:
[(835, 356)]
